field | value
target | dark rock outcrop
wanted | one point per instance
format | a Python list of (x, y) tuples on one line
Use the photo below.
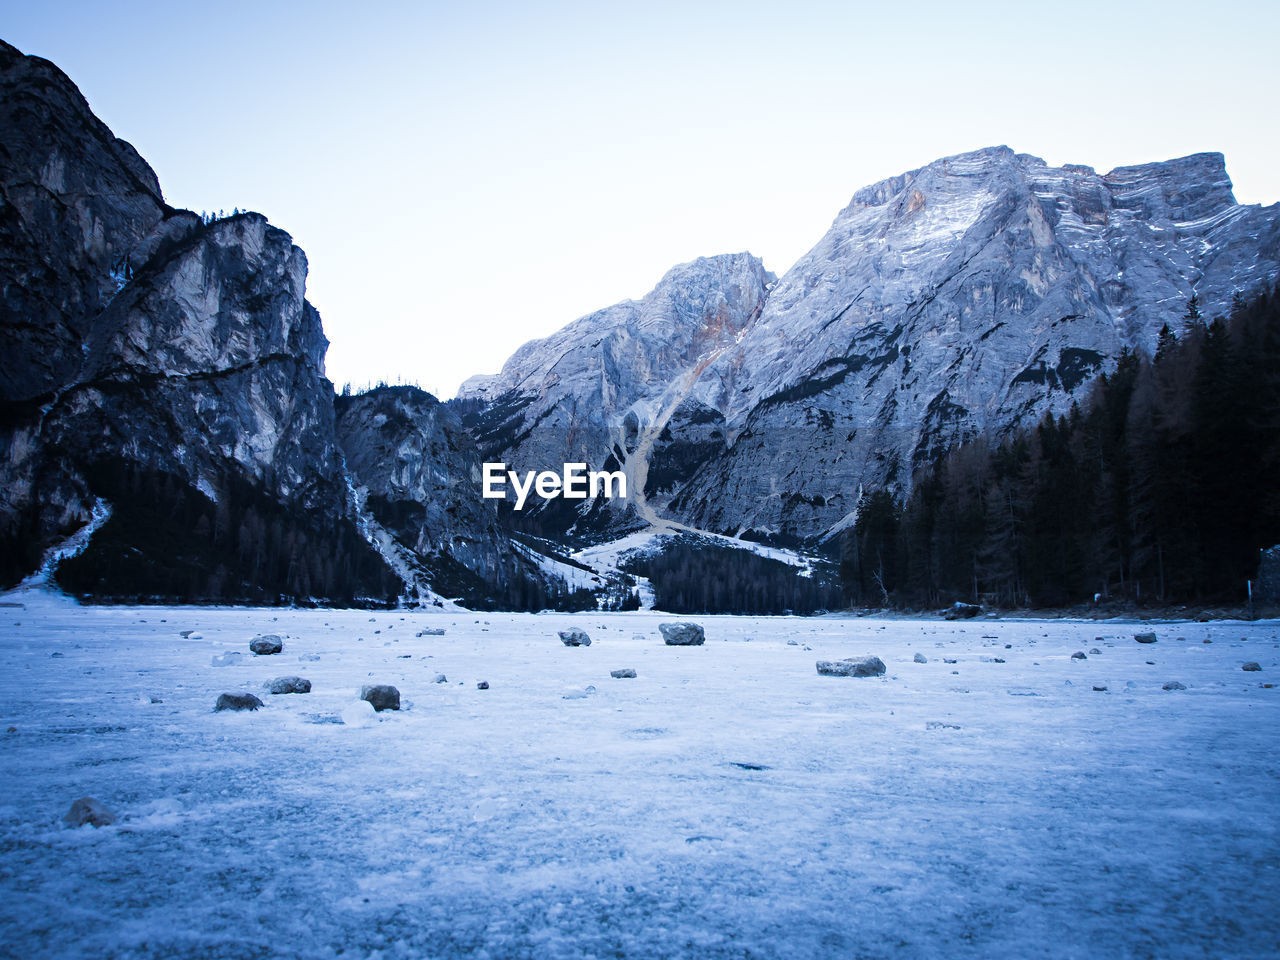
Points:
[(167, 367), (852, 667), (575, 637), (266, 644), (282, 685), (682, 634), (381, 696), (416, 473), (237, 701)]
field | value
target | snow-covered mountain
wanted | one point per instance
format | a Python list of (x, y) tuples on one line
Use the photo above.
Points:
[(970, 295), (606, 385)]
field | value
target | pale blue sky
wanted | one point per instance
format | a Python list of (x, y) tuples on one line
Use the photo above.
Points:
[(464, 177)]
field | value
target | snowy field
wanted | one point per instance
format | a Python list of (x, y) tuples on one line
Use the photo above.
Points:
[(728, 802)]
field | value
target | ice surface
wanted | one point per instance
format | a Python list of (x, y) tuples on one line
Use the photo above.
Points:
[(729, 802)]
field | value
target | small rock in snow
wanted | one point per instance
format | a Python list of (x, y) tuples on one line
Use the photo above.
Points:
[(90, 811), (432, 632), (682, 634), (793, 643), (266, 644), (482, 685), (1094, 652), (962, 611), (852, 667), (237, 701), (381, 696), (1145, 637), (289, 685), (1079, 655), (1175, 685), (440, 678), (575, 637), (920, 658), (1251, 667), (623, 674), (1100, 688)]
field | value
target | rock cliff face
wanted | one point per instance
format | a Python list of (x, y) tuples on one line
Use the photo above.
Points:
[(75, 202), (969, 295), (166, 369), (417, 472), (610, 383)]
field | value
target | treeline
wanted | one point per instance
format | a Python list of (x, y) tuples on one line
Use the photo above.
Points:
[(695, 575), (167, 541), (1160, 487)]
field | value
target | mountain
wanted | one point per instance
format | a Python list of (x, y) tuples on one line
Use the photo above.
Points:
[(163, 387), (967, 296), (609, 384), (415, 471)]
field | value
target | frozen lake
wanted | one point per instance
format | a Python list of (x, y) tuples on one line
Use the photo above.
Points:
[(728, 802)]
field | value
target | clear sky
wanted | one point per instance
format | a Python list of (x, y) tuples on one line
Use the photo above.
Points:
[(467, 176)]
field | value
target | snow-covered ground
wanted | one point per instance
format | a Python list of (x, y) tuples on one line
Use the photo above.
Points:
[(728, 802)]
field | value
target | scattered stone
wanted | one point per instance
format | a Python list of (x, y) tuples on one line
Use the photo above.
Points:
[(1175, 685), (852, 667), (265, 645), (359, 714), (185, 634), (1145, 637), (919, 658), (289, 685), (237, 701), (962, 611), (1094, 652), (575, 637), (1100, 688), (624, 674), (432, 632), (682, 634), (381, 696), (1079, 655), (793, 643), (482, 685), (1206, 640), (440, 678), (945, 660), (1251, 667), (1150, 663), (90, 811), (939, 725)]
